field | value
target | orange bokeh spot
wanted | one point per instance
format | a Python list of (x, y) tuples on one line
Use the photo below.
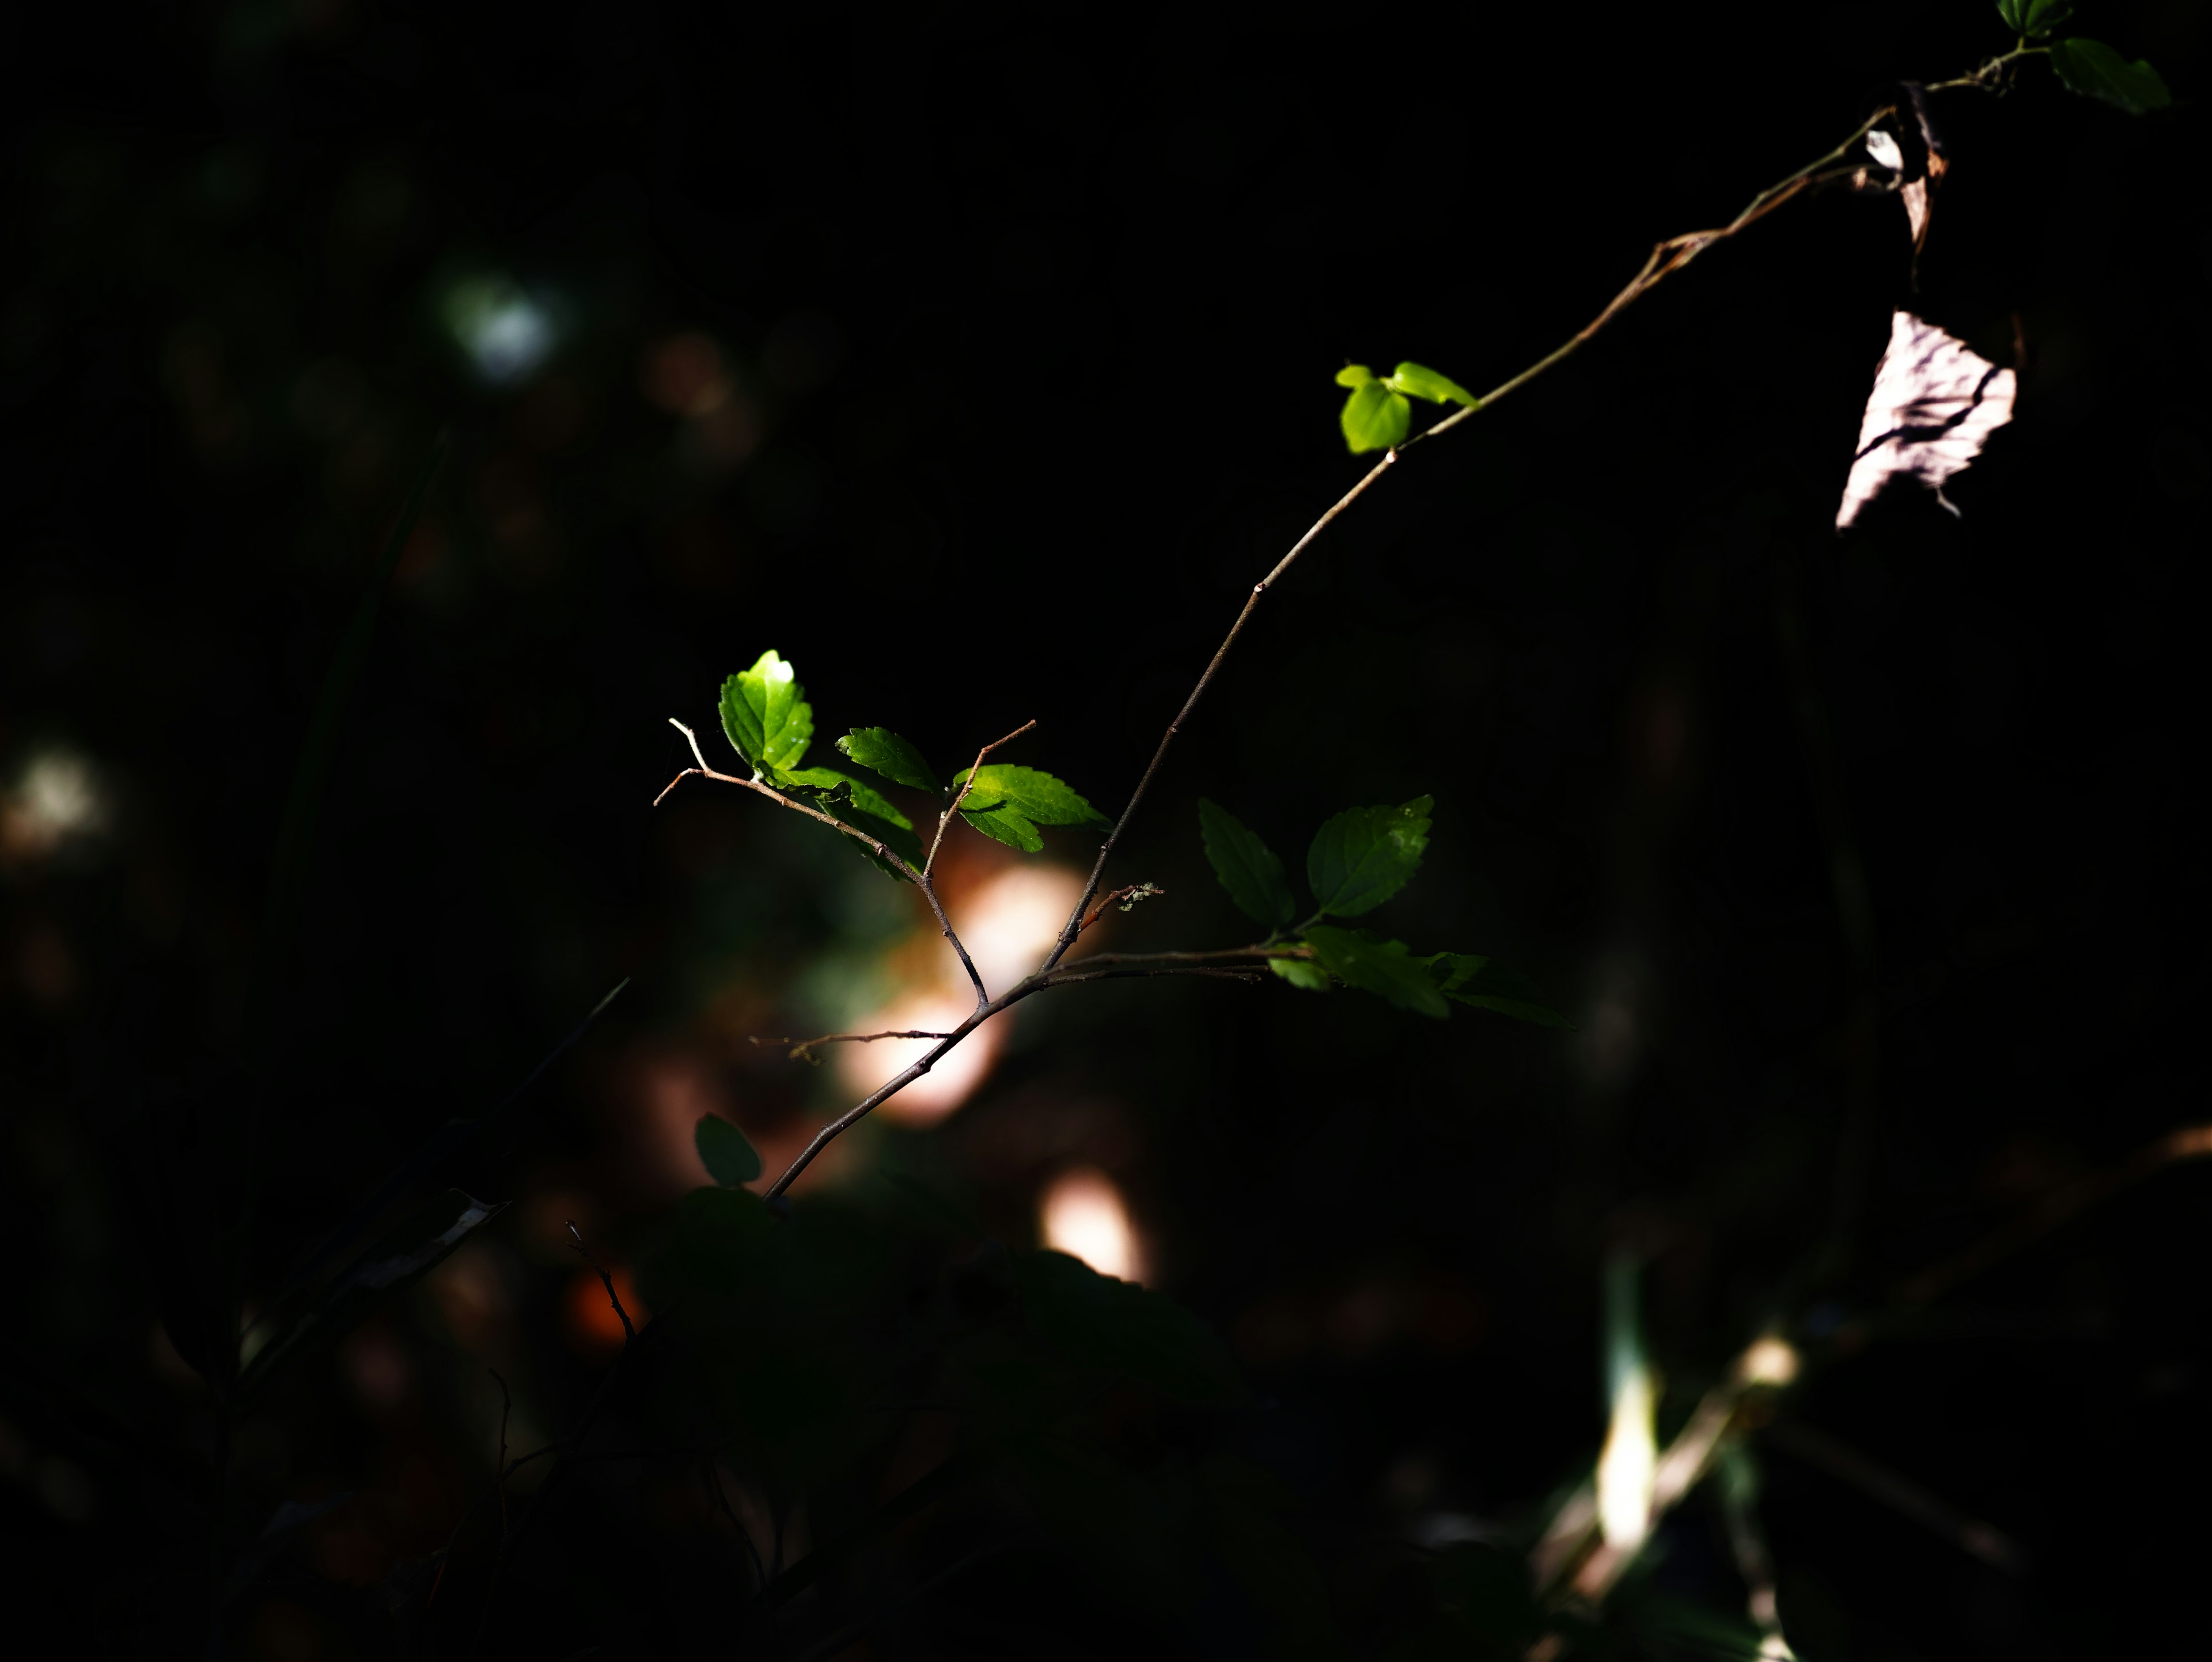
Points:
[(589, 1320)]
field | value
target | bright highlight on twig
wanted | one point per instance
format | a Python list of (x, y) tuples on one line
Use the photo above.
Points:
[(1628, 1467), (1768, 1361), (1082, 1215), (1625, 1469)]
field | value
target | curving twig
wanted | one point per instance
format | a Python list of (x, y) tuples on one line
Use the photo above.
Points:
[(1668, 257), (802, 1049), (966, 785), (875, 845)]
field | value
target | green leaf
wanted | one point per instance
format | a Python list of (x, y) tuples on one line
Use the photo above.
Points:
[(841, 789), (864, 808), (1031, 792), (2095, 71), (1354, 374), (1423, 383), (1375, 418), (765, 715), (1301, 972), (1117, 1327), (2033, 17), (728, 1157), (1374, 965), (1468, 978), (881, 750), (1361, 857), (1247, 867), (1002, 823)]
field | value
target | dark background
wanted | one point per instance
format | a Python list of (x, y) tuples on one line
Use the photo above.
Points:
[(1028, 318)]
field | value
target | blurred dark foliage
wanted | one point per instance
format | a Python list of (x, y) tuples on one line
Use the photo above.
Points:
[(977, 359)]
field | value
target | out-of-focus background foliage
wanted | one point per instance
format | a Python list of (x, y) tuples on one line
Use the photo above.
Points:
[(978, 359)]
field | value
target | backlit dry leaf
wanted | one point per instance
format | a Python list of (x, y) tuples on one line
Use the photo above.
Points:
[(1935, 404)]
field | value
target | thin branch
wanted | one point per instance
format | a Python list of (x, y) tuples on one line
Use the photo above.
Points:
[(966, 785), (1069, 978), (1839, 1460), (506, 1408), (1128, 896), (1665, 260), (875, 845), (629, 1333), (802, 1049), (2185, 1143)]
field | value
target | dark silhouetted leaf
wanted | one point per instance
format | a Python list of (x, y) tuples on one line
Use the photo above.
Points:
[(1469, 978), (938, 1215), (728, 1157), (765, 715), (1381, 967), (727, 1229), (1361, 857), (1375, 418), (881, 750), (2095, 71), (1423, 383), (1248, 1509), (1117, 1326), (1247, 867), (1031, 793)]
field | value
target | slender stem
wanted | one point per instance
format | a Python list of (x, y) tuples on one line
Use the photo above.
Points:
[(802, 1049), (874, 845), (1666, 258), (967, 785)]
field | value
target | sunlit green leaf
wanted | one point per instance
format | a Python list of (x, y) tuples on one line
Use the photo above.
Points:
[(1354, 374), (841, 789), (2095, 71), (729, 1159), (1030, 791), (765, 715), (861, 806), (1362, 856), (881, 750), (1469, 978), (1423, 383), (1247, 867), (1002, 823), (1301, 972), (1375, 418), (1378, 966)]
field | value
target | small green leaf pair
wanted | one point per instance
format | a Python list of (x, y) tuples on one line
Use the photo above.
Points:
[(1005, 802), (1357, 860), (768, 722), (1377, 416), (2087, 67)]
